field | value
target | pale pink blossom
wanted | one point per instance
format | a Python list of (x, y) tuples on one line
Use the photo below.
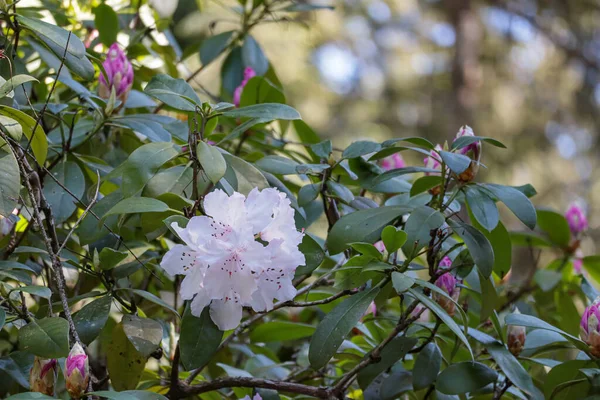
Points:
[(576, 218), (394, 161), (433, 160), (224, 264), (588, 328), (380, 246), (77, 374)]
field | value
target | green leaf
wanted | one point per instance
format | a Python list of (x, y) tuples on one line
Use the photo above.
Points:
[(362, 226), (516, 201), (265, 112), (418, 228), (11, 127), (39, 143), (501, 244), (401, 282), (277, 165), (129, 395), (54, 34), (308, 193), (152, 298), (243, 176), (533, 322), (489, 297), (313, 254), (29, 396), (393, 173), (279, 331), (110, 258), (135, 205), (212, 161), (2, 318), (419, 141), (143, 124), (144, 333), (443, 315), (125, 364), (13, 367), (90, 320), (393, 238), (480, 248), (305, 132), (213, 46), (336, 325), (340, 191), (311, 169), (62, 203), (464, 141), (41, 291), (47, 338), (392, 353), (425, 183), (555, 226), (199, 339), (458, 163), (562, 381), (483, 207), (465, 377), (232, 71), (360, 148), (107, 23), (322, 149), (253, 56), (13, 82), (427, 366), (367, 249), (10, 180), (176, 93)]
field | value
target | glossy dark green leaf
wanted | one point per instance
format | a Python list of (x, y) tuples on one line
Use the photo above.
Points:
[(38, 140), (265, 111), (501, 244), (41, 291), (199, 339), (212, 161), (479, 246), (175, 93), (427, 366), (425, 183), (48, 337), (243, 176), (10, 85), (567, 382), (62, 203), (277, 165), (340, 191), (401, 282), (483, 207), (213, 46), (516, 201), (421, 222), (278, 331), (362, 226), (9, 367), (336, 325), (393, 173), (393, 352), (11, 127), (134, 205), (253, 56), (533, 322), (144, 333), (322, 149), (555, 226), (143, 124), (110, 258), (313, 254), (107, 23), (90, 320), (464, 141), (10, 180), (55, 34), (360, 148), (308, 193), (458, 163), (465, 377)]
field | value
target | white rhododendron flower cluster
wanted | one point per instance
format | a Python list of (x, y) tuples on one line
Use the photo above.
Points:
[(244, 252)]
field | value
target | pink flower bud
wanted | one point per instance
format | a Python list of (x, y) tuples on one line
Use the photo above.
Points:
[(119, 73), (42, 376), (249, 73), (588, 328), (516, 337), (433, 160), (578, 266), (576, 219), (394, 161), (77, 374), (424, 316), (473, 151), (448, 283), (446, 262), (380, 246)]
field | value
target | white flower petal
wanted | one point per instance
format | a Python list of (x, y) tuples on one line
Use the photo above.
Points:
[(260, 206), (226, 314), (192, 283), (199, 303), (179, 260)]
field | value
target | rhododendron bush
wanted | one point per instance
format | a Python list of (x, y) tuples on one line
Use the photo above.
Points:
[(162, 241)]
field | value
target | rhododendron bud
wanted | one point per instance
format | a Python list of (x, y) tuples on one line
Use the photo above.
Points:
[(380, 246), (576, 219), (77, 373), (423, 316), (588, 328), (42, 376), (473, 151), (394, 161), (516, 337), (433, 161), (446, 262), (119, 73), (244, 252), (578, 266), (249, 73), (448, 283)]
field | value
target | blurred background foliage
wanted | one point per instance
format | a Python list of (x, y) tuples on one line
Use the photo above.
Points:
[(524, 72)]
